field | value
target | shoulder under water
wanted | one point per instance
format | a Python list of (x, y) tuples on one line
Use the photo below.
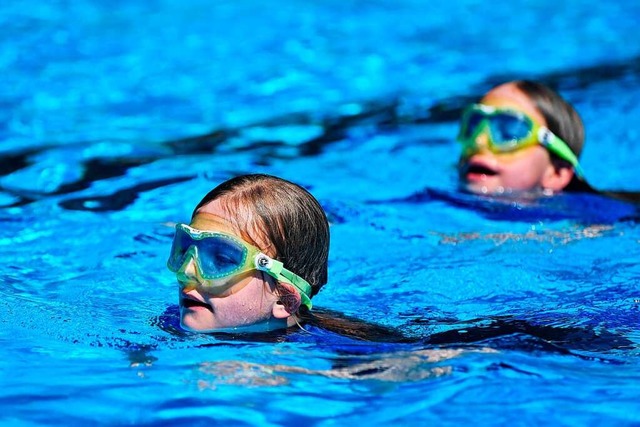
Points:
[(583, 208), (349, 347)]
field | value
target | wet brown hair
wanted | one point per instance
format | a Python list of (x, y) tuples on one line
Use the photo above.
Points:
[(283, 214), (563, 120)]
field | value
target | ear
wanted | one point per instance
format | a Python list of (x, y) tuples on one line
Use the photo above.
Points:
[(556, 177), (287, 304), (279, 311)]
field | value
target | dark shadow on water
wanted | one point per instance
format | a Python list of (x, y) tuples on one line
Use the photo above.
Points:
[(374, 116), (520, 334), (120, 199), (584, 208)]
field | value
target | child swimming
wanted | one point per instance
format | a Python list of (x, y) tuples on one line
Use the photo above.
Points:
[(253, 256), (521, 136)]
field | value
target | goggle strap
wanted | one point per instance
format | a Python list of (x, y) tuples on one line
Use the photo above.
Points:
[(276, 269), (560, 148), (300, 284)]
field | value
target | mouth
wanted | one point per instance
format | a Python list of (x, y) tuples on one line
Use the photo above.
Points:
[(472, 169), (193, 304)]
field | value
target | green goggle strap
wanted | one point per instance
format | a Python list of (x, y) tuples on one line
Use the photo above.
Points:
[(560, 148), (276, 269)]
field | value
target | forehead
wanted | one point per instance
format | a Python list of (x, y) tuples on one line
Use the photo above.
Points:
[(508, 95), (213, 217)]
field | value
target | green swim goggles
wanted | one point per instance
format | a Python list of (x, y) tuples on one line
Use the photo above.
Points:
[(219, 256), (510, 130)]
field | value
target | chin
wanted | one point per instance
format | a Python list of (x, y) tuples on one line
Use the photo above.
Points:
[(191, 324), (188, 327), (477, 187)]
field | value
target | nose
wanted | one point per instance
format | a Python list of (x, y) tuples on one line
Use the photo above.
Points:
[(482, 137), (189, 268), (480, 143), (188, 275)]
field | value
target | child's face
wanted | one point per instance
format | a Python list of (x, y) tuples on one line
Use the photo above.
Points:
[(249, 304), (483, 171)]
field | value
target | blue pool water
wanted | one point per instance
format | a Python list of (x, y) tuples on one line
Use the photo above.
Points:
[(117, 117)]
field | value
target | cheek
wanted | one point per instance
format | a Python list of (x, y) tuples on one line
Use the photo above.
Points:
[(251, 304), (525, 171)]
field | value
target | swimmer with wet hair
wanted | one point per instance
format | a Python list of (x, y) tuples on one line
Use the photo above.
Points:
[(253, 256), (521, 136)]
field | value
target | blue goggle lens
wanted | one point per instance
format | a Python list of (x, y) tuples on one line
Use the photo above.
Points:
[(505, 128), (217, 256)]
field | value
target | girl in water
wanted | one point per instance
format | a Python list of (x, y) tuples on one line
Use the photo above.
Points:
[(252, 257), (523, 136)]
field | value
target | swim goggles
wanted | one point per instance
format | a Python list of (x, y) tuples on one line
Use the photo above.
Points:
[(219, 256), (510, 130)]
